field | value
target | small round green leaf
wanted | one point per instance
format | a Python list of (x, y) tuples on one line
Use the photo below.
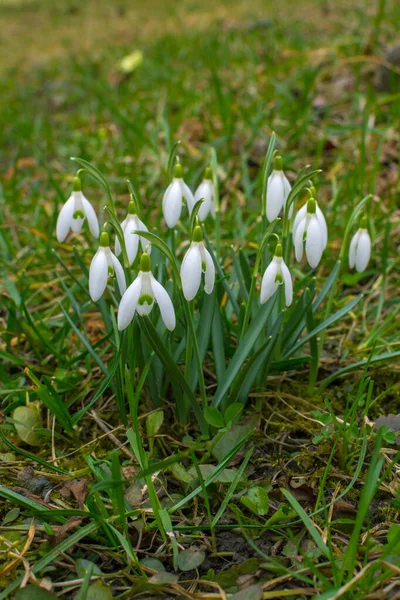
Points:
[(190, 559), (213, 417)]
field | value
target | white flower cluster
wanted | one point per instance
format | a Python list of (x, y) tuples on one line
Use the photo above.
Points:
[(145, 290), (309, 234)]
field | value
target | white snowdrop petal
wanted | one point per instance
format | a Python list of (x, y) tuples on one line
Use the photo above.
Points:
[(98, 275), (191, 272), (119, 273), (287, 279), (268, 283), (165, 303), (209, 277), (76, 224), (275, 195), (363, 253), (286, 190), (91, 217), (323, 226), (298, 240), (353, 249), (314, 242), (140, 226), (64, 219), (205, 191), (299, 217), (188, 195), (131, 244), (172, 203), (128, 303)]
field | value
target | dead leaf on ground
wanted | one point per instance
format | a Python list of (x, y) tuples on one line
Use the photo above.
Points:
[(75, 488), (341, 506)]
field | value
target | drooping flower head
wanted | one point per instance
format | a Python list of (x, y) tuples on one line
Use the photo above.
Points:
[(276, 274), (196, 261), (207, 192), (301, 215), (310, 231), (74, 212), (360, 248), (103, 266), (141, 296), (176, 192), (129, 225), (278, 188)]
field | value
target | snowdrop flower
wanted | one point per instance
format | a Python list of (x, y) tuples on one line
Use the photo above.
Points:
[(141, 295), (74, 212), (278, 189), (130, 224), (310, 230), (196, 261), (174, 194), (206, 192), (301, 215), (104, 265), (275, 275), (360, 248)]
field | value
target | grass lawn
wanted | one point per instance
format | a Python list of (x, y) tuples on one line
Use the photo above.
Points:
[(239, 455)]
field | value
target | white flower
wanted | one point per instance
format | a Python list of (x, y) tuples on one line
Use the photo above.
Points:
[(360, 248), (141, 295), (275, 275), (320, 217), (278, 189), (130, 224), (196, 261), (174, 194), (104, 265), (74, 212), (206, 192), (310, 230)]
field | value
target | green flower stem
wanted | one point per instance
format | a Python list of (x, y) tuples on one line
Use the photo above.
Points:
[(205, 458), (253, 283), (188, 307)]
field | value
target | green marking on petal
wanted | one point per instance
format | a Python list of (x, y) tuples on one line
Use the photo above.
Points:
[(145, 299), (279, 279), (110, 271), (203, 266), (79, 214)]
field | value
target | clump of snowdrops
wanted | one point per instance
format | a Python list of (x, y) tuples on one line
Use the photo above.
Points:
[(209, 323)]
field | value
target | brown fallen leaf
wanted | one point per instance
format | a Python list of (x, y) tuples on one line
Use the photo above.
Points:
[(341, 506), (75, 488)]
